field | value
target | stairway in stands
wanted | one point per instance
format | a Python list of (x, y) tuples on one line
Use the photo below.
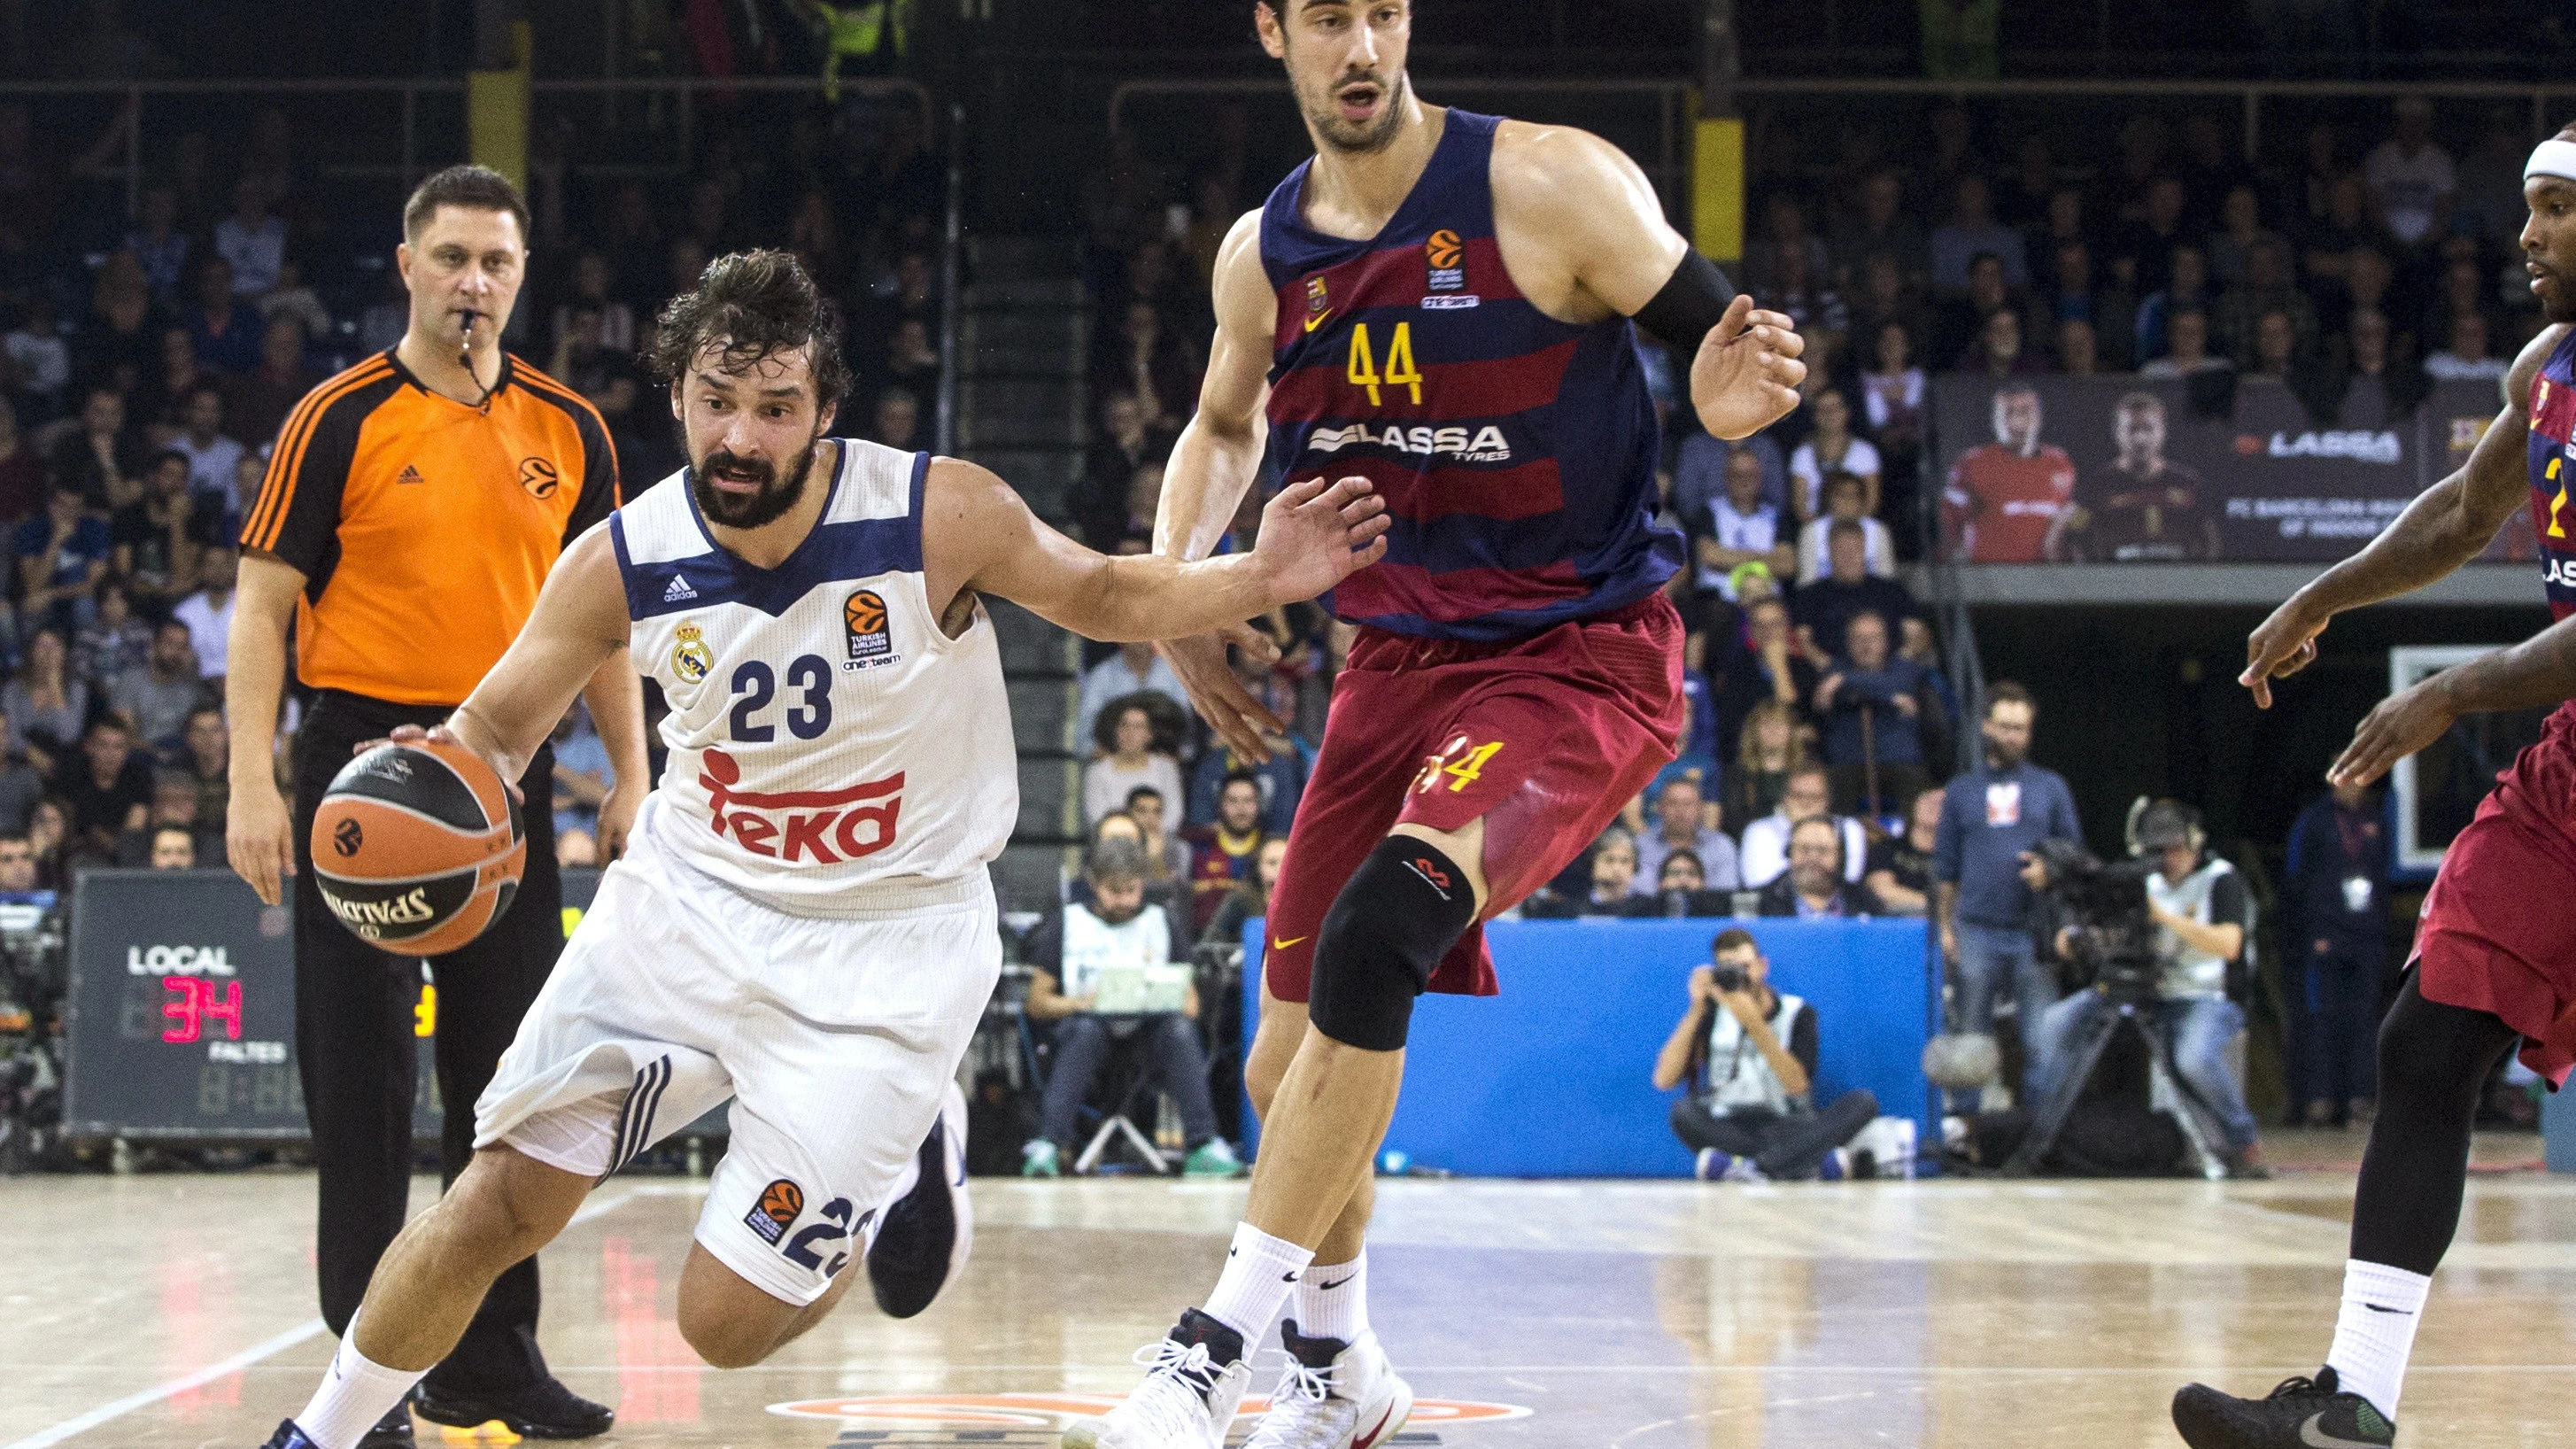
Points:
[(1023, 347)]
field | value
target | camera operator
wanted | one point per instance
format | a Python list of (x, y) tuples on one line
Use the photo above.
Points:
[(1750, 1055), (2202, 918)]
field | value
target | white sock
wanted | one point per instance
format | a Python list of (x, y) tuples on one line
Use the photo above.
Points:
[(355, 1393), (1259, 1271), (1332, 1302), (2375, 1332)]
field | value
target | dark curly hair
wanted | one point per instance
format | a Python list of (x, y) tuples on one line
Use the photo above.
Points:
[(753, 305)]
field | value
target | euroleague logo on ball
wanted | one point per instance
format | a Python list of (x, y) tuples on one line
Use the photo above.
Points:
[(347, 836)]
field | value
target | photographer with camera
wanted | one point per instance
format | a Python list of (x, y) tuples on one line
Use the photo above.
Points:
[(2175, 968), (1749, 1053)]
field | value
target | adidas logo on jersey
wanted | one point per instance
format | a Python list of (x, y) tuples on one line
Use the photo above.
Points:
[(678, 590), (409, 474), (1487, 446)]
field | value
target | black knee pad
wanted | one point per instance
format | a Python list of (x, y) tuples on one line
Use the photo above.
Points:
[(1399, 913)]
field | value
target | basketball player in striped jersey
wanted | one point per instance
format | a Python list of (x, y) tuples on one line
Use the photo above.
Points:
[(2495, 948), (1441, 303), (803, 922)]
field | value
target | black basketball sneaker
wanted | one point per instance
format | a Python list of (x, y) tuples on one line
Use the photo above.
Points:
[(926, 1234), (393, 1431), (2302, 1413)]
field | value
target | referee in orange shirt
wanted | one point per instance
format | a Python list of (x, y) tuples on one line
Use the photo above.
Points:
[(412, 509)]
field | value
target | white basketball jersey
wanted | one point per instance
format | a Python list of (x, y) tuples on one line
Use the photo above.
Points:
[(825, 735)]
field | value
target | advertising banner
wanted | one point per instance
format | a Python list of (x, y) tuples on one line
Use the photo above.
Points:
[(2212, 469)]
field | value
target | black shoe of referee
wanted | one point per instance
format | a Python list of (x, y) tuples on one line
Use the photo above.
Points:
[(542, 1410), (2303, 1413)]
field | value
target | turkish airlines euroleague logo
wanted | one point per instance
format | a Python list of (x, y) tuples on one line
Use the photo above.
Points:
[(989, 1412), (794, 826)]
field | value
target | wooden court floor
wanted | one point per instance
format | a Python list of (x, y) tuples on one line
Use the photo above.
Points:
[(176, 1310)]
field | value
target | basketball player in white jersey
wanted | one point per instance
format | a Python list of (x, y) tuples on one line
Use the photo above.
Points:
[(803, 921)]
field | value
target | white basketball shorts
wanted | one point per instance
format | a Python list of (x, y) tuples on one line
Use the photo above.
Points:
[(834, 1038)]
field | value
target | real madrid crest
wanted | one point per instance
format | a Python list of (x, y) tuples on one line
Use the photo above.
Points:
[(690, 656)]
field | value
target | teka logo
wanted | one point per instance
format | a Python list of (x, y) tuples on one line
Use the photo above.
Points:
[(1004, 1412), (830, 826), (177, 961), (539, 477)]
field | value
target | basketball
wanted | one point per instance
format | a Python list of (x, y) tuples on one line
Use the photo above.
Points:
[(416, 848)]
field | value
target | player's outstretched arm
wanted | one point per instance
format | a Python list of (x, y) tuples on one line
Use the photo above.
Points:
[(1598, 224), (977, 534), (1215, 461), (2446, 526), (579, 624)]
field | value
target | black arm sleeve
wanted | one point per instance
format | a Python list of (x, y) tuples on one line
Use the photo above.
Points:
[(1690, 305)]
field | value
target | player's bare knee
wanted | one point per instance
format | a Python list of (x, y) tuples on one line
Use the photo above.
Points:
[(1400, 912), (725, 1320), (1274, 1046), (507, 1205)]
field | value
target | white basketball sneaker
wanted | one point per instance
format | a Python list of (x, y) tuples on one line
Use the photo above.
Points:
[(1335, 1395), (1194, 1383)]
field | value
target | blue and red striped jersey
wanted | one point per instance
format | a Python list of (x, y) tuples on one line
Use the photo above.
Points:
[(2553, 471), (1516, 453)]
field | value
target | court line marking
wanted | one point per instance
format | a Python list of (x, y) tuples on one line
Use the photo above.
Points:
[(265, 1348)]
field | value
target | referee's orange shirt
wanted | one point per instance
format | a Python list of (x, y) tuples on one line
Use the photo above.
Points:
[(424, 527)]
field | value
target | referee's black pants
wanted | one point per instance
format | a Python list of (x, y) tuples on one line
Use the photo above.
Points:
[(356, 1051)]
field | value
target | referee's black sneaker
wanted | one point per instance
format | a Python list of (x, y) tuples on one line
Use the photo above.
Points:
[(542, 1410), (2302, 1413), (926, 1233), (393, 1431)]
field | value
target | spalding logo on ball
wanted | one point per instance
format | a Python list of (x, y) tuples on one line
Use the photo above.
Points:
[(416, 848)]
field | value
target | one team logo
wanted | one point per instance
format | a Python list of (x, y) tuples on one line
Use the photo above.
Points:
[(691, 659), (781, 1204), (863, 624), (1319, 303), (539, 477)]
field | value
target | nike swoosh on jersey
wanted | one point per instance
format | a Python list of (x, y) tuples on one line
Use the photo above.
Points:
[(1317, 320), (1278, 945), (2316, 1438), (1365, 1440)]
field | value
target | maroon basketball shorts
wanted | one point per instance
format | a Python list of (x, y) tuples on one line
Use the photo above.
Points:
[(2498, 931), (1545, 740)]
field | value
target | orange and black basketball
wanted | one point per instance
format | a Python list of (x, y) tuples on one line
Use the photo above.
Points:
[(416, 848)]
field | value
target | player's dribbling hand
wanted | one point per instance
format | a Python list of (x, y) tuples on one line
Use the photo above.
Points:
[(2285, 644), (2405, 722), (1747, 373), (1220, 698), (1316, 534), (259, 839), (441, 734)]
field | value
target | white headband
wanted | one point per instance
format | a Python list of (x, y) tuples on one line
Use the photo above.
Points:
[(2552, 157)]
